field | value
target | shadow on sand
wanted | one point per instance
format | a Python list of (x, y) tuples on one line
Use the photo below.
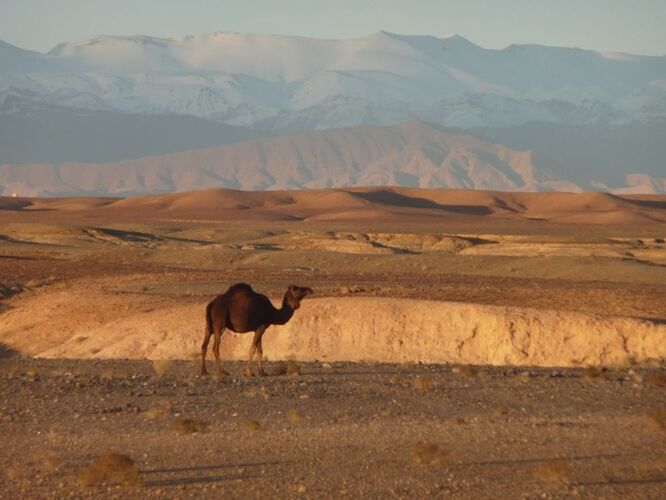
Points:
[(7, 351), (200, 474), (386, 197)]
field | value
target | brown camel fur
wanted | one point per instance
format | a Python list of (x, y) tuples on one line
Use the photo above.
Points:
[(241, 310)]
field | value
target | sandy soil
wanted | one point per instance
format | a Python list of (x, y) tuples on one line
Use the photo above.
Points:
[(335, 430), (400, 275)]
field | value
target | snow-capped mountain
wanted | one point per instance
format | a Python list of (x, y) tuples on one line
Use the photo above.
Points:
[(299, 84)]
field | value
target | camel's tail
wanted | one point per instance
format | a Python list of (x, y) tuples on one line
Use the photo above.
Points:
[(209, 319)]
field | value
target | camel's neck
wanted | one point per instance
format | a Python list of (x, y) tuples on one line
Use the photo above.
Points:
[(281, 316)]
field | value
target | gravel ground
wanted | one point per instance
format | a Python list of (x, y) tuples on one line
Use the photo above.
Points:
[(340, 430)]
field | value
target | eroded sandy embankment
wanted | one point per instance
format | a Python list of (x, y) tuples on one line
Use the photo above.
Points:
[(352, 329)]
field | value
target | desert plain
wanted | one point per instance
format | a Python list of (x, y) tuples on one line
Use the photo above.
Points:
[(459, 343)]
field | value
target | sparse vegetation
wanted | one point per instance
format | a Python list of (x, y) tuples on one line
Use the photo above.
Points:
[(658, 379), (161, 367), (158, 410), (288, 368), (294, 416), (428, 454), (47, 461), (260, 392), (465, 370), (658, 418), (110, 467), (422, 383), (593, 372), (185, 426), (251, 425), (555, 471)]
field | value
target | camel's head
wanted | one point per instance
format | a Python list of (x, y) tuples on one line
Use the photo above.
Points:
[(295, 294)]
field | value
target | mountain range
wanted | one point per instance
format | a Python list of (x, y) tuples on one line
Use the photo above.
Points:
[(526, 117), (411, 154), (291, 83)]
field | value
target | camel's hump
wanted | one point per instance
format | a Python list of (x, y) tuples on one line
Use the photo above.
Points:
[(238, 287)]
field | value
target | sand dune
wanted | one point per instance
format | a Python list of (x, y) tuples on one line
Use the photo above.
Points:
[(371, 203)]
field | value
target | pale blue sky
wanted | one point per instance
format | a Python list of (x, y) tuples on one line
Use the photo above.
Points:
[(634, 26)]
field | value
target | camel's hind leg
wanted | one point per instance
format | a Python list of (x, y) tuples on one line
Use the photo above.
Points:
[(216, 351), (204, 349)]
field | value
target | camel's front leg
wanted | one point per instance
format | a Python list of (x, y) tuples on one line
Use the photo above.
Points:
[(248, 368), (256, 347), (260, 353)]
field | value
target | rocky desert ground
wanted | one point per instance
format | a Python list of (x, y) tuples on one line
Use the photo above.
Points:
[(459, 343)]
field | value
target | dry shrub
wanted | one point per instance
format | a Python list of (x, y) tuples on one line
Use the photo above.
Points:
[(251, 425), (110, 467), (184, 426), (47, 461), (428, 454), (14, 371), (288, 368), (158, 410), (422, 383), (261, 392), (407, 365), (592, 372), (279, 369), (161, 366), (658, 418), (659, 380), (293, 368), (555, 471), (110, 374), (467, 371), (294, 416), (649, 471)]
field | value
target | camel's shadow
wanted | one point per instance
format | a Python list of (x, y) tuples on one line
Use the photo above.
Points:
[(177, 476)]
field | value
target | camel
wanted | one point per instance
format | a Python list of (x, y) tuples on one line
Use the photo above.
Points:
[(242, 310)]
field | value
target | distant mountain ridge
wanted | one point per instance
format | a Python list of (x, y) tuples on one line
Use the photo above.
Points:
[(294, 84), (412, 154)]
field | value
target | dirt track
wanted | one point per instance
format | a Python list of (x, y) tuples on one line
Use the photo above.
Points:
[(348, 430)]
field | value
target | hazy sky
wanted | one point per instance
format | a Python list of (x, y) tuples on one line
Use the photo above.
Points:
[(635, 26)]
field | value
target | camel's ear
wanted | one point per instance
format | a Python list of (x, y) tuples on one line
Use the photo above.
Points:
[(293, 288)]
